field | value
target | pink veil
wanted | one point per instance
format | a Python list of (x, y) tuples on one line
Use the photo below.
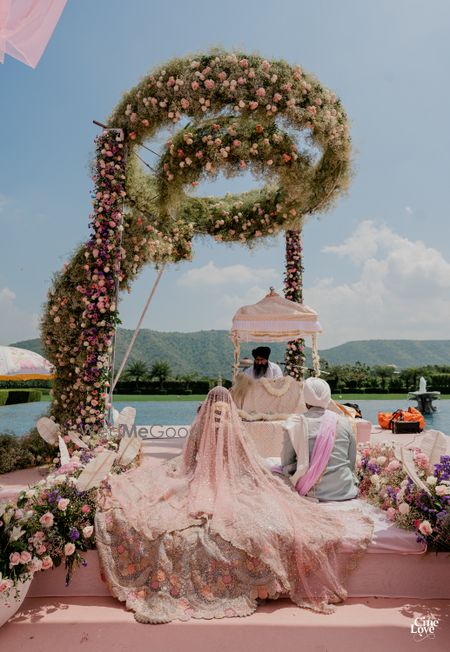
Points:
[(220, 484)]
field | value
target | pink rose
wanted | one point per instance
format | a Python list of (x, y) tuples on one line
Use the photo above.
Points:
[(63, 504), (390, 513), (253, 105), (25, 557), (261, 92), (85, 509), (14, 559), (393, 465), (442, 490), (69, 549), (277, 97), (47, 563), (5, 585), (195, 85), (46, 519), (425, 528), (421, 460), (35, 566), (184, 103), (209, 84), (243, 63)]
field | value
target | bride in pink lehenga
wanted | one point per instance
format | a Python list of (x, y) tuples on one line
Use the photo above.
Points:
[(211, 532)]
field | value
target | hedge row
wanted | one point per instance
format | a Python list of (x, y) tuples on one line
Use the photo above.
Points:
[(14, 396)]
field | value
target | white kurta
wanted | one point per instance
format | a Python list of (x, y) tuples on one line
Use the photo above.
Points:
[(273, 371)]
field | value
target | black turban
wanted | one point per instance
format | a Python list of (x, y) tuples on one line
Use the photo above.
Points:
[(261, 352)]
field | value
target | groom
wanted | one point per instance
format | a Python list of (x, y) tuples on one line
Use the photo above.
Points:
[(320, 456)]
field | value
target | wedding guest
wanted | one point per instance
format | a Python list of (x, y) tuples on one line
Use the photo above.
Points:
[(319, 454), (262, 367)]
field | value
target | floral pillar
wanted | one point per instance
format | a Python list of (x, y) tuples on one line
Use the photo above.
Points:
[(82, 304), (293, 290)]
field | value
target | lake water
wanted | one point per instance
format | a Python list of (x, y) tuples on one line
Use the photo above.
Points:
[(18, 419)]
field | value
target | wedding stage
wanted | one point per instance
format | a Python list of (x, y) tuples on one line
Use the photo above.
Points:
[(393, 584)]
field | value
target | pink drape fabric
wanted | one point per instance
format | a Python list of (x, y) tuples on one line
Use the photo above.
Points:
[(323, 447), (26, 27), (218, 504)]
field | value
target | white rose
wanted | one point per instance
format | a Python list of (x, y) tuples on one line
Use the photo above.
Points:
[(375, 479), (404, 508), (87, 531), (431, 480), (381, 460), (442, 490)]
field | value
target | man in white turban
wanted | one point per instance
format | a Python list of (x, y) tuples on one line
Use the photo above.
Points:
[(319, 453)]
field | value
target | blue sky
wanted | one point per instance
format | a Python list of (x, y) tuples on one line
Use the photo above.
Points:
[(377, 266)]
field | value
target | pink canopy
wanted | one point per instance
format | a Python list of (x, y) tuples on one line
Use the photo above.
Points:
[(275, 319), (26, 27)]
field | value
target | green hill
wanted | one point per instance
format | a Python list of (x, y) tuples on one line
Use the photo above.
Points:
[(210, 352)]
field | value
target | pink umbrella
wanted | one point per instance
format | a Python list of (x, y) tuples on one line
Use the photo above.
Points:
[(26, 27)]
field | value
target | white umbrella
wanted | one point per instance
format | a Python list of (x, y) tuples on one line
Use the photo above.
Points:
[(21, 364)]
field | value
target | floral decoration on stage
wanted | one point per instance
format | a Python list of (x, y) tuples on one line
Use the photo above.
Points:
[(385, 484), (244, 112), (52, 523)]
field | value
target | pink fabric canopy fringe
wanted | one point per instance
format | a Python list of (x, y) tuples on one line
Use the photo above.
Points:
[(26, 27)]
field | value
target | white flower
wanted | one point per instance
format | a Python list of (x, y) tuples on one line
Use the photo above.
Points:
[(16, 533), (443, 490), (381, 460), (404, 508), (431, 480), (375, 479), (87, 531)]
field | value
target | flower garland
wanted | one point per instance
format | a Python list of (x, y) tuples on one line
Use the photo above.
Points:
[(293, 290), (385, 484), (236, 104)]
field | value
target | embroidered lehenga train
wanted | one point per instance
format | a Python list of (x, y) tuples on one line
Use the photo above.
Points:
[(211, 533)]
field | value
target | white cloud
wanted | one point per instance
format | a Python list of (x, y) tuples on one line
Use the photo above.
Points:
[(15, 324), (212, 276), (400, 290)]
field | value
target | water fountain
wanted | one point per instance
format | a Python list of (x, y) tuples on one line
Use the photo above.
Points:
[(424, 398)]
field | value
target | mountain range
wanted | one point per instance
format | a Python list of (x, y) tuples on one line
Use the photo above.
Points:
[(210, 352)]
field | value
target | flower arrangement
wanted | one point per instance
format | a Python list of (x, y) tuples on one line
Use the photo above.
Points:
[(237, 104), (385, 484), (293, 290)]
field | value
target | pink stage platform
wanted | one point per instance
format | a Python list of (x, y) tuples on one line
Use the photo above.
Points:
[(394, 583)]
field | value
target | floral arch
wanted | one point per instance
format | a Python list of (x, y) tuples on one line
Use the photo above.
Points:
[(244, 112)]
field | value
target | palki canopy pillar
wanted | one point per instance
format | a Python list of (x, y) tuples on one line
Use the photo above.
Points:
[(275, 319)]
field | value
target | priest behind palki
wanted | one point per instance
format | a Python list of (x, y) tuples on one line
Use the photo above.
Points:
[(262, 367)]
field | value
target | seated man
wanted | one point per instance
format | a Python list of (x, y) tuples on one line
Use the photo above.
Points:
[(325, 470), (261, 367)]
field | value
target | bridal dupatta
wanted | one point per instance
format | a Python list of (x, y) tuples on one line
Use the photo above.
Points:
[(210, 533)]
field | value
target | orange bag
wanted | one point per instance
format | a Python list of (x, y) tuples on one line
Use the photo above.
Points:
[(411, 414)]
